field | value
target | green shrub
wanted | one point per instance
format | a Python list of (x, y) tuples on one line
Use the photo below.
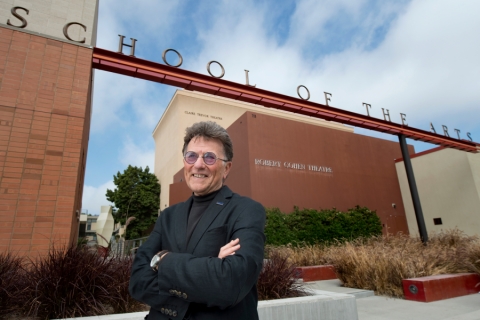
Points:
[(309, 226), (277, 229)]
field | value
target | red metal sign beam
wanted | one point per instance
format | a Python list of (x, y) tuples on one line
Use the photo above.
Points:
[(148, 70)]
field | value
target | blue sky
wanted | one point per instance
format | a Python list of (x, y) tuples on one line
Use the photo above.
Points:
[(417, 57)]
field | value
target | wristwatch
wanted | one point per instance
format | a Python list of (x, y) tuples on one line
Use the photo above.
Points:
[(156, 259)]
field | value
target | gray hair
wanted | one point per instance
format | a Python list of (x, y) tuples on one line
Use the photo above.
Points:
[(209, 130)]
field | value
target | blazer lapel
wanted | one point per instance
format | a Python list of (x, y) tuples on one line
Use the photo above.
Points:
[(216, 206), (181, 220)]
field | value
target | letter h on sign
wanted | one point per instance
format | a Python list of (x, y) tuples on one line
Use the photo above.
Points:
[(121, 45)]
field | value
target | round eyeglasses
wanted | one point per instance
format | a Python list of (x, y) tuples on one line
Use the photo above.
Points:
[(209, 158)]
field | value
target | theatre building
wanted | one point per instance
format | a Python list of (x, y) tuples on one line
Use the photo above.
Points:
[(284, 160)]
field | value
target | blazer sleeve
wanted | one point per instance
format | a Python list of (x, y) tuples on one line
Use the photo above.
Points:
[(143, 284), (218, 282)]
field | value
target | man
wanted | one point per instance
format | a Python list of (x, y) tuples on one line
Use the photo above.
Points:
[(203, 258)]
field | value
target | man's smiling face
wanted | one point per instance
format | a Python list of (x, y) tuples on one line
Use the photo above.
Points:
[(203, 179)]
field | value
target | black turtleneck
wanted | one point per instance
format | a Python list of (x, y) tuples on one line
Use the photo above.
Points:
[(199, 205)]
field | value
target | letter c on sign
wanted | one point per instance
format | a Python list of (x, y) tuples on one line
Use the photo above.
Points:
[(208, 69), (65, 31)]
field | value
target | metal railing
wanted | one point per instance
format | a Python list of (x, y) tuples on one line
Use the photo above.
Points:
[(131, 246)]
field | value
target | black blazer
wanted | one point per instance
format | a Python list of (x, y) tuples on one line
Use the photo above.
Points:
[(192, 276)]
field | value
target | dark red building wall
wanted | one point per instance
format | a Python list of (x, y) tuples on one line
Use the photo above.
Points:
[(45, 88), (363, 168)]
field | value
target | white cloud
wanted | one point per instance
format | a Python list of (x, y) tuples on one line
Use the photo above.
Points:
[(138, 155), (94, 197), (116, 96), (135, 19), (426, 66), (310, 19)]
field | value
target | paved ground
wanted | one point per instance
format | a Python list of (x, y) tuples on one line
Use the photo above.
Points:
[(381, 308), (372, 307)]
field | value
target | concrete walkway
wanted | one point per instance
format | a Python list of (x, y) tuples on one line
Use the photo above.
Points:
[(371, 307), (381, 308)]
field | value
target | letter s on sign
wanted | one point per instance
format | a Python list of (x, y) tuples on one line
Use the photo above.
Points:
[(65, 31), (19, 17)]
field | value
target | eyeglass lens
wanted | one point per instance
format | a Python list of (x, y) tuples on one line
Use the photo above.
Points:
[(209, 158)]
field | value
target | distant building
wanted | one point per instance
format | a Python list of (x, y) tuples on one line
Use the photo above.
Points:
[(93, 228), (448, 183), (88, 227)]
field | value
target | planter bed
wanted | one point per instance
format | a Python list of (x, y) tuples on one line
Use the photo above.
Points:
[(440, 287), (317, 273)]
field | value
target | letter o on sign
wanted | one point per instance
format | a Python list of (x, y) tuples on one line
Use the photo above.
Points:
[(298, 92), (164, 57), (208, 69)]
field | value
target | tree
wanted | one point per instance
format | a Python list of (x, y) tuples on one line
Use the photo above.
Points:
[(137, 194)]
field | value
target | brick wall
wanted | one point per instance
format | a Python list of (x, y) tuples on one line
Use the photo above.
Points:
[(45, 108)]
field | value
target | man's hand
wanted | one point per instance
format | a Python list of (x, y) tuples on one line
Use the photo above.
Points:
[(229, 249)]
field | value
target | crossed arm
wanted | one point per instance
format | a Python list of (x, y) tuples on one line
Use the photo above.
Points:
[(227, 250)]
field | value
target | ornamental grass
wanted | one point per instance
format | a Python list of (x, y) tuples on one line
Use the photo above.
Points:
[(11, 283), (381, 263), (68, 282), (279, 279)]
